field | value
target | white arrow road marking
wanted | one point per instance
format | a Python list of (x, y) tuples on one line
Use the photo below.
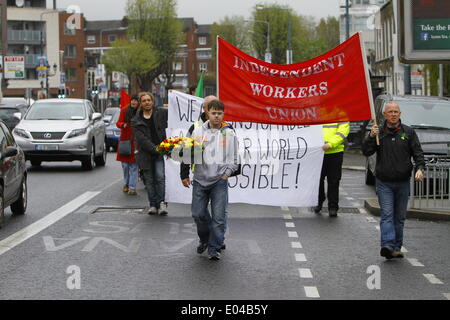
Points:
[(36, 227)]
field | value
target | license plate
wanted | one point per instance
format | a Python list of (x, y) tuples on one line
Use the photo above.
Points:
[(46, 147)]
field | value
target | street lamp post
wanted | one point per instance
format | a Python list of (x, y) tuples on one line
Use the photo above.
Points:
[(268, 57), (289, 49)]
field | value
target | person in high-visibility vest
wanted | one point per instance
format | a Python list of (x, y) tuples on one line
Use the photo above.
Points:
[(334, 135)]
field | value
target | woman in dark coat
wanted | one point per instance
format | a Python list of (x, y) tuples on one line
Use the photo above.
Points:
[(129, 164)]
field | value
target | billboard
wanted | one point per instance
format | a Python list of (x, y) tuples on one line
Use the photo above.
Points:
[(14, 67), (424, 31)]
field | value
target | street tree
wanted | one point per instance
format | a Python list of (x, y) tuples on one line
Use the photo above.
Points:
[(134, 58), (234, 30), (155, 22), (308, 39), (328, 31)]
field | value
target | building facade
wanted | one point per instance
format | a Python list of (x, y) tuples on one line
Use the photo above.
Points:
[(31, 33)]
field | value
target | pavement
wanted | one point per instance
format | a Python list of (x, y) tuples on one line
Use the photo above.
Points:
[(354, 160)]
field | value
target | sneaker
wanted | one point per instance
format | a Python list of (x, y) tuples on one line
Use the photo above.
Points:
[(397, 254), (386, 252), (222, 247), (163, 208), (215, 256), (332, 213), (153, 210), (202, 247), (317, 209), (132, 192), (125, 189)]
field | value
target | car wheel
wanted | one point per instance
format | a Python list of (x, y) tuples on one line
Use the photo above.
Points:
[(2, 207), (101, 159), (89, 163), (370, 179), (20, 206), (35, 163)]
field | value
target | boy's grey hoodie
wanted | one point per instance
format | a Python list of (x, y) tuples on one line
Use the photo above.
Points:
[(220, 155)]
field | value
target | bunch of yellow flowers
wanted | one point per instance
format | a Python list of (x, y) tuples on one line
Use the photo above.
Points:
[(178, 144)]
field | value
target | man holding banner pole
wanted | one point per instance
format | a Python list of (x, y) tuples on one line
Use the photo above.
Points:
[(334, 135)]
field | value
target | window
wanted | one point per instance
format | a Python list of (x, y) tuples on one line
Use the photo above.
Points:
[(177, 66), (70, 51), (71, 74), (202, 41), (112, 38), (91, 39), (203, 66), (204, 54)]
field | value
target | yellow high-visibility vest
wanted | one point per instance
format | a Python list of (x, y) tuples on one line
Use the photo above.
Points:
[(334, 134)]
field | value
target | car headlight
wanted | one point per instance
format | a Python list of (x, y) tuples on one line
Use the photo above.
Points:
[(21, 133), (109, 132), (77, 132)]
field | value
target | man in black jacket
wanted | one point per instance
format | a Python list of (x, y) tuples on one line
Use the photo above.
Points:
[(149, 126), (398, 143)]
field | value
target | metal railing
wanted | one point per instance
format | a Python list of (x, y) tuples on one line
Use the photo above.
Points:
[(25, 36), (433, 192)]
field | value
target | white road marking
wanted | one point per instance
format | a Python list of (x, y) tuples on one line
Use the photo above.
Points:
[(292, 234), (290, 225), (447, 295), (432, 278), (305, 273), (377, 227), (287, 217), (285, 208), (36, 227), (403, 249), (300, 257), (296, 245), (370, 219), (415, 262), (362, 210), (312, 292)]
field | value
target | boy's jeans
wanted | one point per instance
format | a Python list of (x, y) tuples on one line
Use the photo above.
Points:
[(210, 228)]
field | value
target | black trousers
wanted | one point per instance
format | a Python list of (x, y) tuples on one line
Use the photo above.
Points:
[(332, 169)]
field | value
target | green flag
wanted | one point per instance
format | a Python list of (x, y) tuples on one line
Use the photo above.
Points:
[(199, 90)]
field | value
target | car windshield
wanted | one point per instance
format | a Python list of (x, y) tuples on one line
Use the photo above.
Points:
[(7, 113), (56, 111), (425, 113), (110, 111)]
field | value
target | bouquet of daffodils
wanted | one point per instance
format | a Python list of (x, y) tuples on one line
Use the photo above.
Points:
[(179, 144)]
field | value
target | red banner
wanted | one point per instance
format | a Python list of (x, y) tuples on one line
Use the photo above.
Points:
[(333, 87)]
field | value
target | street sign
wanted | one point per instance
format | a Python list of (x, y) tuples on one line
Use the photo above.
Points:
[(424, 31), (14, 67)]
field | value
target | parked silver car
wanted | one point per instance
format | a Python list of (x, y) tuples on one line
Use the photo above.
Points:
[(62, 130)]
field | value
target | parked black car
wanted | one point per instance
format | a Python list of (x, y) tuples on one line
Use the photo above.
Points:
[(428, 116), (13, 174)]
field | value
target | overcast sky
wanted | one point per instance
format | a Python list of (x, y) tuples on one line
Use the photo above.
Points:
[(203, 11)]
